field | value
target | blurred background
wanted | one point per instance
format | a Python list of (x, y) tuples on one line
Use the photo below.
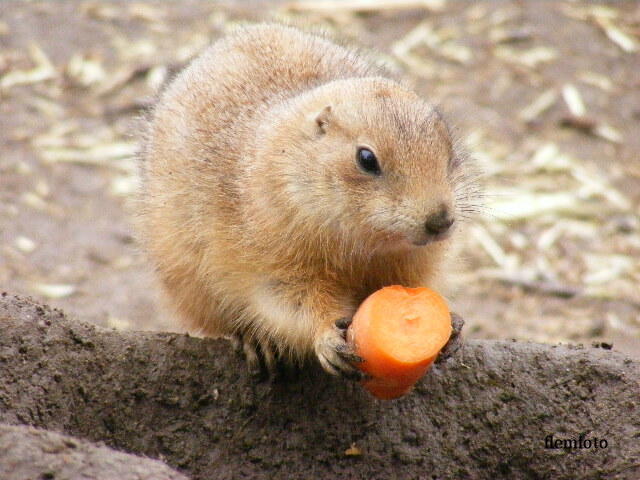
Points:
[(544, 95)]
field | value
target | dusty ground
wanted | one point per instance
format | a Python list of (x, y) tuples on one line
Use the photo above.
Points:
[(28, 453), (545, 95), (483, 413)]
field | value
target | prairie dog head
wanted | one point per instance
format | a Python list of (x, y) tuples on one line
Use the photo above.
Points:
[(364, 159)]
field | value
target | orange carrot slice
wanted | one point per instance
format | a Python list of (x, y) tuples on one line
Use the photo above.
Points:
[(399, 331)]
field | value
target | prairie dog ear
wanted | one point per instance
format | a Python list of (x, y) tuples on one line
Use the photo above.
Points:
[(322, 119)]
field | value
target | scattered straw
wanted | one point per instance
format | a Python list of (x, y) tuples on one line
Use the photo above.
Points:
[(53, 290), (42, 71), (332, 6)]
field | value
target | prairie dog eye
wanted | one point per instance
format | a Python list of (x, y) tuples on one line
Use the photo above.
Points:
[(367, 161)]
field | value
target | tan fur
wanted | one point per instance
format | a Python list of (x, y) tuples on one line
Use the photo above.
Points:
[(254, 211)]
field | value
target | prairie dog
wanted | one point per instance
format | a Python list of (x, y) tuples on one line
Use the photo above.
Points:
[(285, 178)]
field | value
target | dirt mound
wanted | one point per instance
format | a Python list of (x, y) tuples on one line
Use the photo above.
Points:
[(27, 452), (485, 412)]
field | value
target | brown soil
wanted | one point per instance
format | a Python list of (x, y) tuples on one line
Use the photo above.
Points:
[(483, 413), (29, 453)]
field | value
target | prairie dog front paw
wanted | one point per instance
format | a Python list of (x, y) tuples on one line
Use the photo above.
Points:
[(335, 355)]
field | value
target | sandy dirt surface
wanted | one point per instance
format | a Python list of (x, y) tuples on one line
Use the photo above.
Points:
[(544, 95)]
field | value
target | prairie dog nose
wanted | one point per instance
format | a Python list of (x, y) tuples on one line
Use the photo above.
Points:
[(438, 223)]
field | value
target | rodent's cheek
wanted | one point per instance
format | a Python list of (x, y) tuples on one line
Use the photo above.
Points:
[(378, 220), (398, 224), (387, 218)]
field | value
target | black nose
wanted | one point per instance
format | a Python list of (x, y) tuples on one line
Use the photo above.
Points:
[(439, 223)]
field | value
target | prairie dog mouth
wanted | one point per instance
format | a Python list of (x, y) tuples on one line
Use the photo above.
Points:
[(396, 241), (430, 238)]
